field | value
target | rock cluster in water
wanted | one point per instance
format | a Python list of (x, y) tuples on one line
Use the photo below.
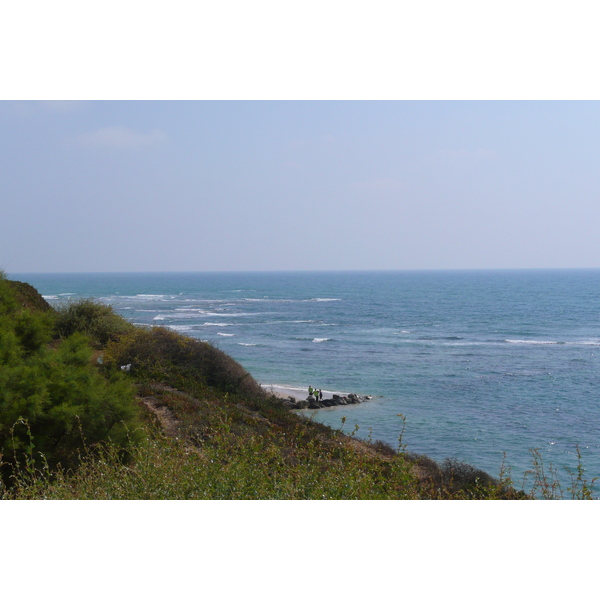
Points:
[(335, 400)]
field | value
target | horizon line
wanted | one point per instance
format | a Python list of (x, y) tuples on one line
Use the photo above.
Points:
[(305, 271)]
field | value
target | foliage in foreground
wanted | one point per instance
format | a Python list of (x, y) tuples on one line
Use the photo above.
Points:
[(51, 395), (226, 468), (228, 451), (167, 468)]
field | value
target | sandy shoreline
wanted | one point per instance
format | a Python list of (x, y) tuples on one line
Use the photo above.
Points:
[(285, 393)]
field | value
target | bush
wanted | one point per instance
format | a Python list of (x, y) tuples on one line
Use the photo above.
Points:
[(162, 354), (95, 320), (383, 448), (8, 300), (460, 476), (54, 400), (33, 330), (65, 401), (28, 297)]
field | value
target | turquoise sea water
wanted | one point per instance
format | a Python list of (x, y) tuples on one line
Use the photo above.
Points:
[(481, 363)]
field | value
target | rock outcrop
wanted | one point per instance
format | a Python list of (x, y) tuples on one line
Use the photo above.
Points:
[(335, 400)]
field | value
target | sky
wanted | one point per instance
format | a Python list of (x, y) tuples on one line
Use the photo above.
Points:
[(101, 186), (298, 137)]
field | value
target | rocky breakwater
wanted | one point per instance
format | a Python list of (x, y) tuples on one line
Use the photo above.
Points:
[(335, 400)]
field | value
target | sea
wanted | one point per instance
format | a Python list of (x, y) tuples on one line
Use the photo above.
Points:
[(479, 366)]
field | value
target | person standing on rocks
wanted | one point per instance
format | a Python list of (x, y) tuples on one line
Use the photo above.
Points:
[(320, 394), (310, 390)]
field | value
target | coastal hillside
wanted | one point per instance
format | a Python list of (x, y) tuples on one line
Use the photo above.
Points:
[(92, 406)]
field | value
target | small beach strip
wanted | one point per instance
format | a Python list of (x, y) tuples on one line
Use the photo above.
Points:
[(298, 399)]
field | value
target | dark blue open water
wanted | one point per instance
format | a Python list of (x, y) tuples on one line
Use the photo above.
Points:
[(479, 362)]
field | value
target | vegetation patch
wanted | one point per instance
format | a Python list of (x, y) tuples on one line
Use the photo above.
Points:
[(96, 320), (28, 297), (52, 397), (161, 354)]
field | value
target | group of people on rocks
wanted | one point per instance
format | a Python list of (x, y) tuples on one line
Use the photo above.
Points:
[(318, 394)]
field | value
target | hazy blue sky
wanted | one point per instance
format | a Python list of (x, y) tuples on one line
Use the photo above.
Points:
[(289, 185)]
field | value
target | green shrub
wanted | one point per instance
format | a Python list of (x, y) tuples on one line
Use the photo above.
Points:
[(28, 297), (65, 401), (55, 400), (461, 477), (33, 330), (383, 448), (8, 300), (96, 320), (163, 354)]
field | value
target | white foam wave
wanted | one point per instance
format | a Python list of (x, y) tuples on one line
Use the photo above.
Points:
[(532, 342), (224, 314), (271, 300), (224, 301), (149, 296), (469, 344), (319, 340), (50, 297), (68, 294), (180, 328), (292, 300), (162, 317), (192, 313), (554, 343), (301, 321), (226, 334), (434, 342), (243, 344)]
